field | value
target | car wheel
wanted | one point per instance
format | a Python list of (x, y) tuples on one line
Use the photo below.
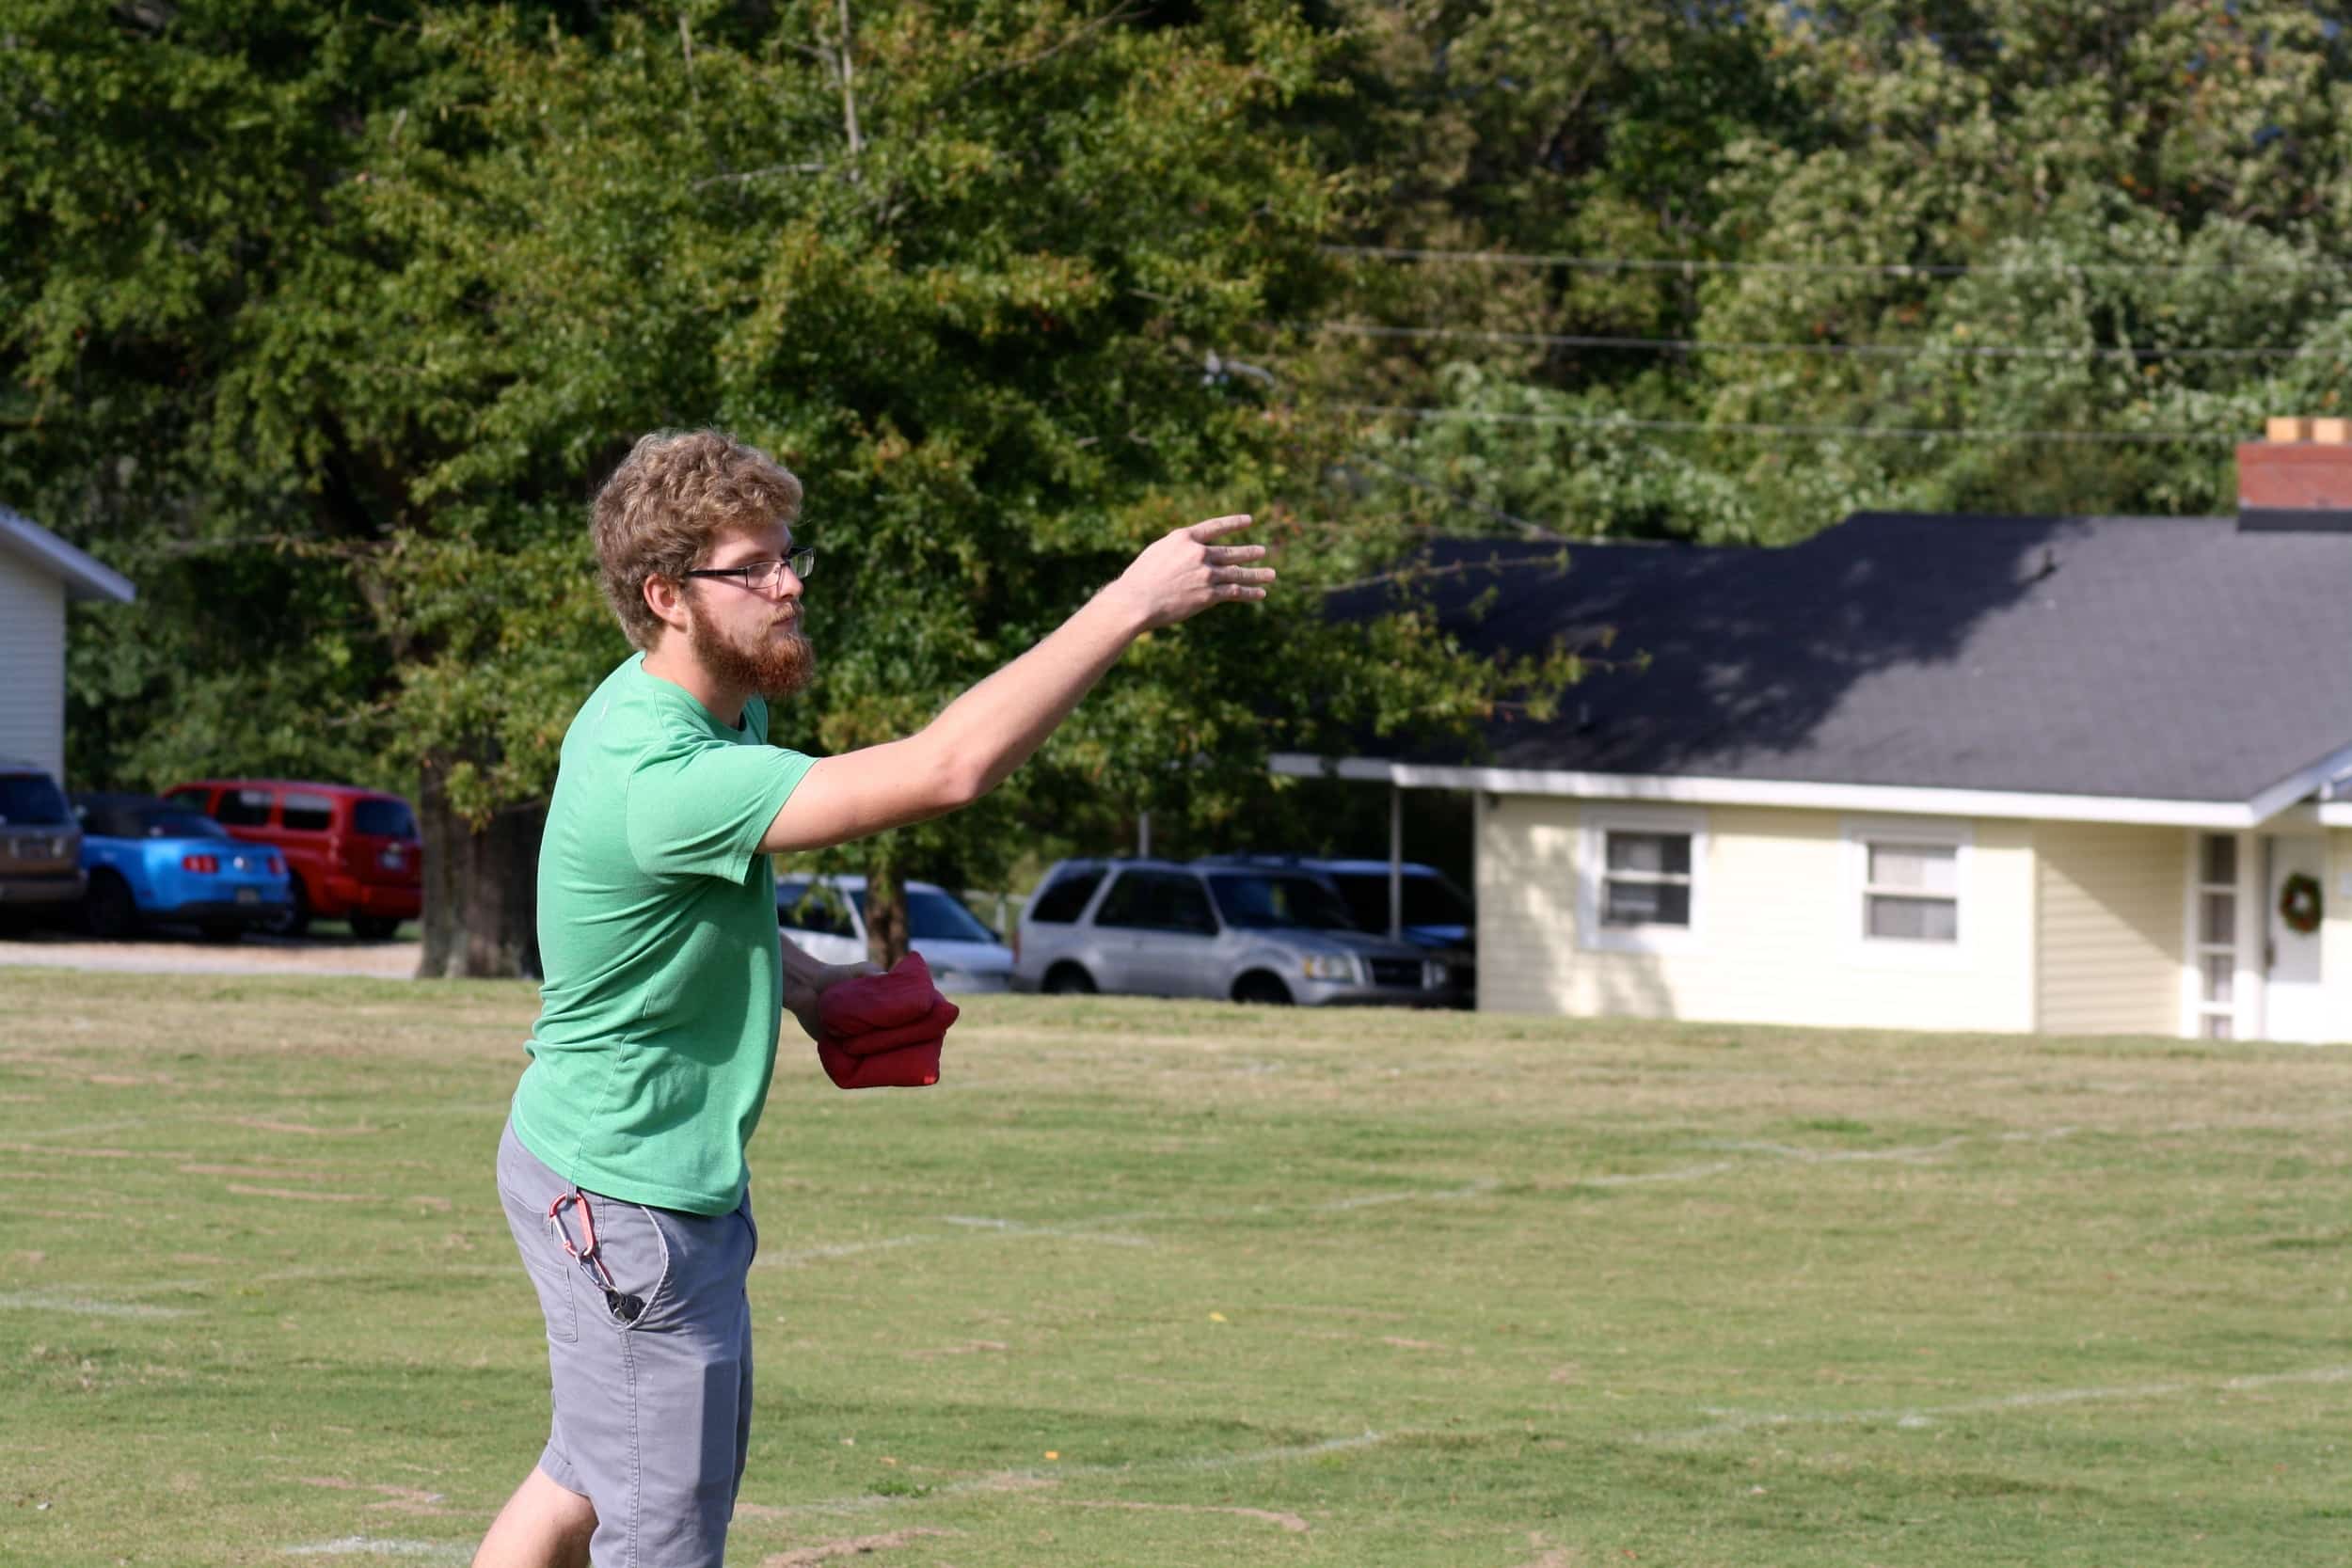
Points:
[(1067, 980), (374, 928), (297, 920), (1258, 989), (109, 910)]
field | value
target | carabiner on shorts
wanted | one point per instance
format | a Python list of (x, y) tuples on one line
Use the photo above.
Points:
[(625, 1307)]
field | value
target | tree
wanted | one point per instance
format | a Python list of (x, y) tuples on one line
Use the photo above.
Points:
[(963, 266), (1994, 217)]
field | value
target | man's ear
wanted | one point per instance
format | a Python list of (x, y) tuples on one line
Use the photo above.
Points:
[(667, 601)]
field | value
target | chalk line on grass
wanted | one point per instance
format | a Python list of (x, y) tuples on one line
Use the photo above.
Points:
[(841, 1249), (825, 1551), (1290, 1522), (368, 1546), (242, 1189), (960, 1227), (84, 1306), (1033, 1478), (1369, 1201), (1901, 1153), (1912, 1418), (1018, 1227), (264, 1124)]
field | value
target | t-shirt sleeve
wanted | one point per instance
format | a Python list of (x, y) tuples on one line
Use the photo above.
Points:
[(700, 811)]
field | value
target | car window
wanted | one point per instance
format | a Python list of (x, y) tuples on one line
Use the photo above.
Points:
[(1256, 901), (1180, 903), (196, 798), (1066, 897), (307, 813), (1428, 900), (171, 822), (384, 818), (104, 821), (242, 808), (32, 800), (1157, 901), (933, 916), (803, 905), (1129, 901)]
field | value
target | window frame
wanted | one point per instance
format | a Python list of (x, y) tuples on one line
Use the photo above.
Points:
[(1959, 835), (2240, 1018), (1594, 826)]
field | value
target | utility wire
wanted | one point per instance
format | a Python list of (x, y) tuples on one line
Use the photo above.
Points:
[(1880, 269), (1697, 346), (1708, 427)]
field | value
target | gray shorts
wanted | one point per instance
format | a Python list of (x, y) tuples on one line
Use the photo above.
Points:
[(652, 1417)]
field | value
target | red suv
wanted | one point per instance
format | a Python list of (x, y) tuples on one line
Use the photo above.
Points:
[(350, 853)]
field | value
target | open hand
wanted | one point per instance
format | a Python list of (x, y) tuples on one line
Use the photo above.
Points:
[(1178, 576)]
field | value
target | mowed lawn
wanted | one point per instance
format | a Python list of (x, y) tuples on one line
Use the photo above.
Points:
[(1161, 1284)]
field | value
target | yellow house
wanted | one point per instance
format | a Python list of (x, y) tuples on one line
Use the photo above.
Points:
[(2057, 774)]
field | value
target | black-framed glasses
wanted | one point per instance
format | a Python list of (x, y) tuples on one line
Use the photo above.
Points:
[(764, 576)]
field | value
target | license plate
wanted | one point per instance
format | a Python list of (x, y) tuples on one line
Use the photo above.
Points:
[(249, 896)]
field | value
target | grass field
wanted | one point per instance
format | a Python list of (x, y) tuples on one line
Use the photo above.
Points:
[(1163, 1285)]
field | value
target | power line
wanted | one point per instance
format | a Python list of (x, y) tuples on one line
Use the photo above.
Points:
[(1708, 427), (1693, 266), (1698, 345)]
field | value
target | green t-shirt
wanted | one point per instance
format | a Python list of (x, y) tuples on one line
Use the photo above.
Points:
[(663, 983)]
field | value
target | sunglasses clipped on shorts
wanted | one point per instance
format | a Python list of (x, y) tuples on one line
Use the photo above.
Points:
[(625, 1307)]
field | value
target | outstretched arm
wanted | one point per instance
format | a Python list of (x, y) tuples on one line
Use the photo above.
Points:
[(996, 726)]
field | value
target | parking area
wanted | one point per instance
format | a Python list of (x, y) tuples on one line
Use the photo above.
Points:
[(327, 951)]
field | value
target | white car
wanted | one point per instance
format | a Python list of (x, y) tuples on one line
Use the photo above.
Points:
[(825, 918)]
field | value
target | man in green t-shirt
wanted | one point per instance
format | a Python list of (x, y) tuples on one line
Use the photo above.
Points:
[(622, 1169)]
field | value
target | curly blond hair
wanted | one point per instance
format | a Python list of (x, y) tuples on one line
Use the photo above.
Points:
[(675, 493)]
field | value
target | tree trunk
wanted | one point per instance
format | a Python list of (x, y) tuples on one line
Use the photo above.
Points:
[(481, 887), (885, 914)]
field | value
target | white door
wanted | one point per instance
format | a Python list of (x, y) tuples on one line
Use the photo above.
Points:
[(2294, 1001)]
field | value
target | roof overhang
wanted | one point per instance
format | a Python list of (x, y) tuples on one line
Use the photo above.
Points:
[(84, 577), (1901, 799)]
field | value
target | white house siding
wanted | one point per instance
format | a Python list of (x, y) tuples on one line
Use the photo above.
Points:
[(32, 665), (2111, 927), (1776, 917)]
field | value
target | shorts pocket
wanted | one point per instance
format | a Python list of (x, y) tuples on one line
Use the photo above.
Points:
[(635, 1251)]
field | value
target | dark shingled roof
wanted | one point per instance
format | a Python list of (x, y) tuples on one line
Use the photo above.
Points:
[(2158, 657)]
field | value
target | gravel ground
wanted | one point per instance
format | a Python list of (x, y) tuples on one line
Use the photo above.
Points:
[(325, 954)]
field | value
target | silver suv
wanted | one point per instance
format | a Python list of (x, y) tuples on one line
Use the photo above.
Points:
[(1250, 933), (41, 841)]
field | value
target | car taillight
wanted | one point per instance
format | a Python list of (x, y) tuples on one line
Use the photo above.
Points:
[(206, 864), (277, 866), (1016, 944)]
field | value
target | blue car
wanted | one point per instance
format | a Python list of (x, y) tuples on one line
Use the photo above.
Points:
[(151, 861)]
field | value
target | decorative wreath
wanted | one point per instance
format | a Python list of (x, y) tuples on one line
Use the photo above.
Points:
[(2299, 903)]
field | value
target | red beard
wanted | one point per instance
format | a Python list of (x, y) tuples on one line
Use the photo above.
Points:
[(775, 667)]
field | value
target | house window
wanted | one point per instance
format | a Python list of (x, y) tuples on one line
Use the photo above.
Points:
[(2215, 920), (1905, 880), (1641, 876), (1911, 892), (1646, 881)]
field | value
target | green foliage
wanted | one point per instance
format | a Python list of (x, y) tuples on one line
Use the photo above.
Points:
[(961, 267), (2158, 176), (322, 321)]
